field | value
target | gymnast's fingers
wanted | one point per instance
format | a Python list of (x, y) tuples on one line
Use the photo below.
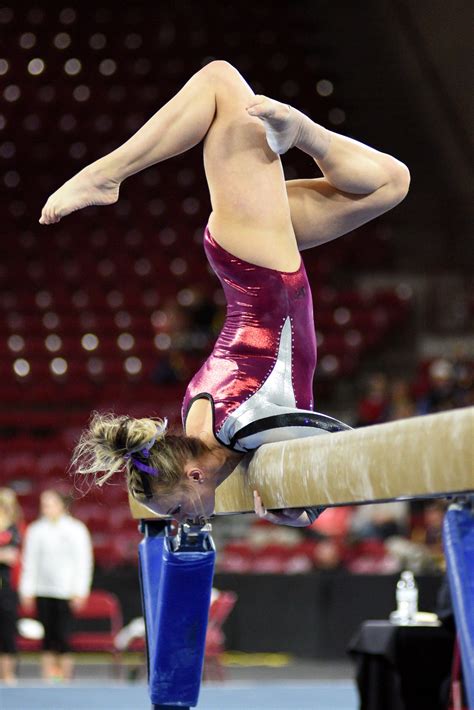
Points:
[(258, 505), (277, 518)]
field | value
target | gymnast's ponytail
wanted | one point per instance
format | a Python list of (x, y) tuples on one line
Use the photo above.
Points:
[(151, 458)]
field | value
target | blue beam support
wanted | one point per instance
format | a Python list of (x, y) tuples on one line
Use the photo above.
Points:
[(176, 572), (458, 534)]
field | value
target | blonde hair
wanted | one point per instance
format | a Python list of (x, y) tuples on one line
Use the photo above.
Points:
[(9, 503), (103, 447)]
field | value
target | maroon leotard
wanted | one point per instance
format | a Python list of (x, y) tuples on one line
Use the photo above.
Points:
[(261, 302)]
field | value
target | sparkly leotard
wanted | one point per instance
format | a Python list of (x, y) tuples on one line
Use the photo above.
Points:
[(259, 376)]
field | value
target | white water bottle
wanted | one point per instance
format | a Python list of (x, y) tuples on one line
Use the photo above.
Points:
[(407, 600)]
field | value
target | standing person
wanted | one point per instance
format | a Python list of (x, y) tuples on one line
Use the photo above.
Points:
[(9, 555), (257, 383), (57, 573), (11, 500)]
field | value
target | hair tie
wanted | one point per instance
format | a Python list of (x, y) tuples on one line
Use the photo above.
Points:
[(144, 450), (143, 467)]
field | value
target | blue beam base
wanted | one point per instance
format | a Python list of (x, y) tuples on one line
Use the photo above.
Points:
[(458, 534), (176, 572)]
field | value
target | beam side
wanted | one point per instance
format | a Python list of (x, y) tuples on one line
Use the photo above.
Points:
[(416, 457)]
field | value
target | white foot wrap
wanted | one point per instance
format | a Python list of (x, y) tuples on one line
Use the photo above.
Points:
[(280, 141)]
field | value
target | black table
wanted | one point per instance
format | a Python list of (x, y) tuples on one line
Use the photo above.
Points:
[(402, 667)]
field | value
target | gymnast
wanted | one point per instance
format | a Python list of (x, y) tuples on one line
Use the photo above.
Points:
[(256, 386)]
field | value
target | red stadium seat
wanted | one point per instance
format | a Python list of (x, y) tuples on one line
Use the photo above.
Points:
[(219, 611), (103, 606)]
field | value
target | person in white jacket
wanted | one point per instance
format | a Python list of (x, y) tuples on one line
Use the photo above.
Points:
[(56, 574)]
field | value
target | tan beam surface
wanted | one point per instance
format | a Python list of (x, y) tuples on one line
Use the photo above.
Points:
[(416, 457)]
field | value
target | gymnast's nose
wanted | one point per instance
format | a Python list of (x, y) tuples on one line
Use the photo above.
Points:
[(195, 519)]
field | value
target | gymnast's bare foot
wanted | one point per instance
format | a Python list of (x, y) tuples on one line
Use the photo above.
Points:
[(91, 186), (282, 122)]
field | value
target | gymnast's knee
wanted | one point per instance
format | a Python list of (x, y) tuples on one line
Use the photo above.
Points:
[(226, 76), (221, 69)]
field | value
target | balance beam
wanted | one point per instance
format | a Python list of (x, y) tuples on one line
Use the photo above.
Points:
[(419, 457)]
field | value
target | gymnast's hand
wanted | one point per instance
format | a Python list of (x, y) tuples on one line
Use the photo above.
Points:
[(296, 517)]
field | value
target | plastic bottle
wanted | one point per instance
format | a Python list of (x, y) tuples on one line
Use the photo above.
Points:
[(407, 600)]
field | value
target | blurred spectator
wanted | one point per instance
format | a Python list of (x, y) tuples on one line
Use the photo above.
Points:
[(401, 403), (371, 526), (450, 384), (379, 521), (57, 572), (411, 555), (174, 321), (441, 388), (381, 543), (9, 554), (327, 554), (202, 314), (429, 531), (170, 369), (9, 497), (329, 533), (18, 520), (334, 522), (181, 329), (172, 325), (372, 408), (464, 383)]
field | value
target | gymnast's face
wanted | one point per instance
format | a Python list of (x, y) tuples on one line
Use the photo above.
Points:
[(193, 500)]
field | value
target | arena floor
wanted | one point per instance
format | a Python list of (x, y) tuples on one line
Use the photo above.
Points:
[(282, 683), (334, 695)]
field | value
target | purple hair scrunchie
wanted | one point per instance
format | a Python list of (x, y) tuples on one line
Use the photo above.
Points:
[(144, 450)]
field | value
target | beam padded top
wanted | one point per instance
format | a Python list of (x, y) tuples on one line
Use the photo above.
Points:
[(416, 457)]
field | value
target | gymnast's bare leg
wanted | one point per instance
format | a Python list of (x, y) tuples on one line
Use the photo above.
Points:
[(359, 182)]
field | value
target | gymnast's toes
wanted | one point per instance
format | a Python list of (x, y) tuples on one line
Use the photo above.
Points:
[(273, 111), (89, 187), (48, 215)]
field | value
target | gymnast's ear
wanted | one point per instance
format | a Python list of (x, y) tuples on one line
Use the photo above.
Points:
[(194, 474)]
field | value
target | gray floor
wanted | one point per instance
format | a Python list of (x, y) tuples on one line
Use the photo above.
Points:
[(336, 695), (293, 669), (296, 684)]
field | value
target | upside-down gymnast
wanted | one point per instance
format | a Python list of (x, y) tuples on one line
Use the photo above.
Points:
[(256, 385)]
